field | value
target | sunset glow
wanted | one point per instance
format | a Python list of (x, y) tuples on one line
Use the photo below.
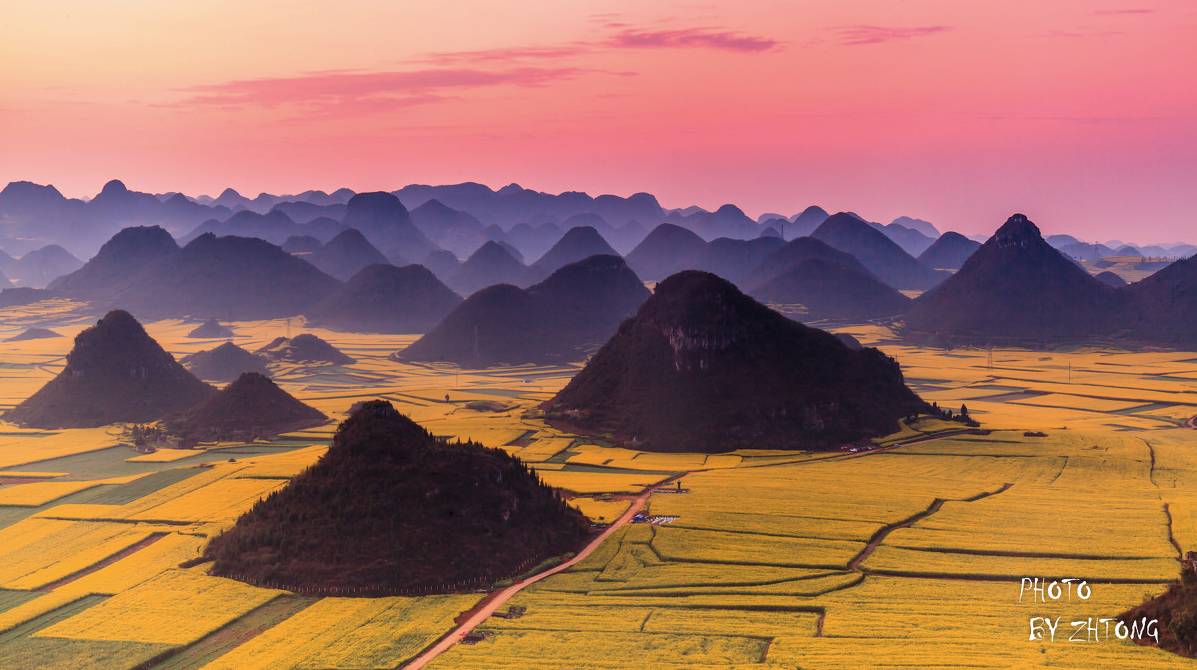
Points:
[(1080, 114)]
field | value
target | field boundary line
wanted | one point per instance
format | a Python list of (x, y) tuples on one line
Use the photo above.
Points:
[(105, 562), (495, 601), (883, 532)]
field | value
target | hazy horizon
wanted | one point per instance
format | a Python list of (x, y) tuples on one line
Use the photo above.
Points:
[(957, 114)]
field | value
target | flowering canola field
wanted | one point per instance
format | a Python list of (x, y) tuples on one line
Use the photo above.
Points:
[(909, 555)]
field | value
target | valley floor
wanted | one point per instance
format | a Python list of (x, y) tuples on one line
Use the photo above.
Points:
[(909, 555)]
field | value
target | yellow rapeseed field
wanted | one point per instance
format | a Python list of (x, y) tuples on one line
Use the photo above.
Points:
[(36, 552), (349, 633), (601, 511), (907, 556), (175, 607)]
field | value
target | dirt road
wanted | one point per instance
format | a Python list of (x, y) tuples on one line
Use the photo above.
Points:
[(496, 602)]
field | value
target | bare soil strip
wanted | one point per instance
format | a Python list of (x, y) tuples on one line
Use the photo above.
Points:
[(493, 604), (879, 537), (1180, 554), (106, 562)]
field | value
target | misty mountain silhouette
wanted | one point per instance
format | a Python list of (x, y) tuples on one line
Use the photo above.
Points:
[(224, 363), (115, 372), (832, 291), (459, 232), (578, 306), (1110, 279), (796, 251), (274, 226), (235, 278), (41, 266), (250, 407), (949, 252), (383, 219), (912, 241), (1166, 305), (735, 260), (32, 334), (805, 222), (386, 299), (1015, 288), (577, 244), (301, 244), (881, 255), (926, 228), (346, 254), (118, 263), (491, 264), (667, 249), (303, 348), (210, 329)]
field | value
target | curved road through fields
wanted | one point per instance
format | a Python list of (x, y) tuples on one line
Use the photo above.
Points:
[(497, 601)]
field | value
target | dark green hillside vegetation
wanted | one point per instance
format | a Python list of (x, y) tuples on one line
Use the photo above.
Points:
[(391, 509), (1176, 612), (703, 367)]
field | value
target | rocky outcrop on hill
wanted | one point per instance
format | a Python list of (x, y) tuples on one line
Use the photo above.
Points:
[(703, 367)]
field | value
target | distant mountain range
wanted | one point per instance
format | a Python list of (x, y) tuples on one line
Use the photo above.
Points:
[(882, 256), (1018, 289), (576, 307), (233, 257), (456, 217), (383, 298)]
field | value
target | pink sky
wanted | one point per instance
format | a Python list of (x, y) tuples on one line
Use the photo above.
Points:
[(1081, 114)]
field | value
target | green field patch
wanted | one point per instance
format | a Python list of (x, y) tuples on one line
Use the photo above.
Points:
[(18, 649), (221, 641), (10, 599), (126, 493), (98, 464)]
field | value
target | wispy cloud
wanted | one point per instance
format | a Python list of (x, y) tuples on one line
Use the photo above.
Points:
[(366, 90), (1088, 120), (510, 54), (621, 35), (860, 35), (1130, 11), (689, 38), (439, 76), (1083, 33)]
